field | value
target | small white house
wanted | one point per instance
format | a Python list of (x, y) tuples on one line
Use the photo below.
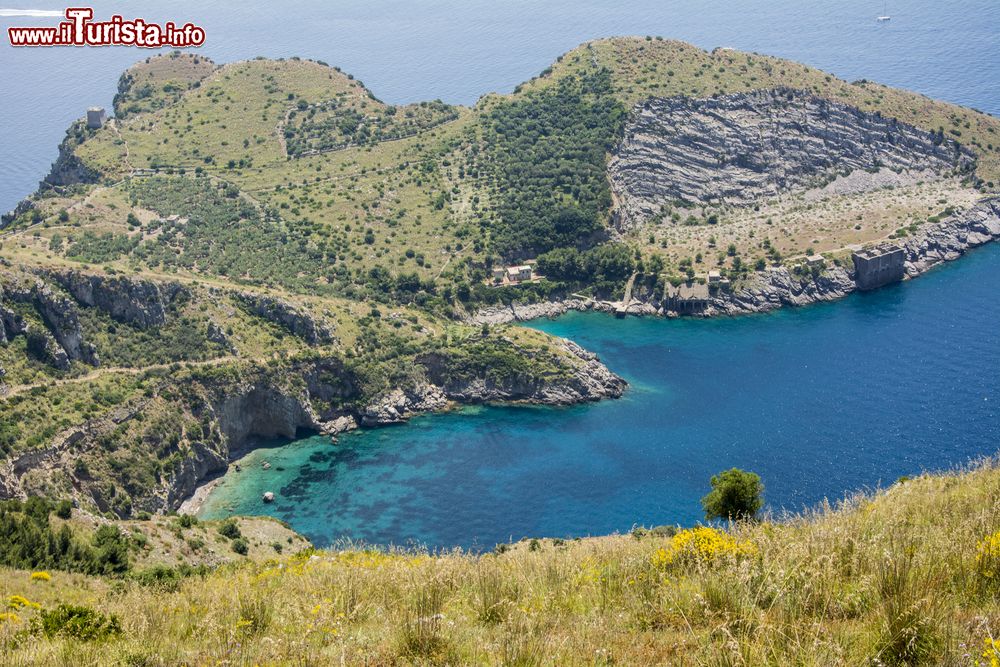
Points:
[(516, 274), (815, 260)]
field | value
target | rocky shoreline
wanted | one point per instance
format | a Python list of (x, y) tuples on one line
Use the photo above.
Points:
[(267, 411), (590, 381), (932, 244)]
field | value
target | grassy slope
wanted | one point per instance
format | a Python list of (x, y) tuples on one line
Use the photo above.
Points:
[(380, 204), (159, 81), (239, 113), (888, 579), (665, 68)]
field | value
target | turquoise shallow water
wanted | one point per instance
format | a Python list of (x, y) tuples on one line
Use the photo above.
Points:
[(820, 401)]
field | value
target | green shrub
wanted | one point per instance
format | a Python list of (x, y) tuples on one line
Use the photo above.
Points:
[(64, 509), (240, 546), (736, 495), (158, 576), (29, 541), (75, 622), (230, 530)]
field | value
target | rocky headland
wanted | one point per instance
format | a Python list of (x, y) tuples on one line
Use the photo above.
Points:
[(932, 244)]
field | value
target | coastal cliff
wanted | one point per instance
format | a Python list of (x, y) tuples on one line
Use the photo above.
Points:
[(741, 148), (69, 169), (328, 402), (152, 452)]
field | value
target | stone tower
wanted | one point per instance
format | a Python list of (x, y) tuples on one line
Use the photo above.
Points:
[(95, 118)]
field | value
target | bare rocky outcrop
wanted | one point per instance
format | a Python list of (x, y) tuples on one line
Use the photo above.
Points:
[(398, 405), (63, 341), (63, 321), (264, 411), (141, 303), (950, 238), (586, 379), (11, 324), (736, 149), (294, 319), (69, 169)]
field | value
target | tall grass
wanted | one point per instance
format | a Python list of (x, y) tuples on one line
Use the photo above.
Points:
[(907, 576)]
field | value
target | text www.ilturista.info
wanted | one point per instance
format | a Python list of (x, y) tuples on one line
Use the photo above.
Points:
[(80, 30)]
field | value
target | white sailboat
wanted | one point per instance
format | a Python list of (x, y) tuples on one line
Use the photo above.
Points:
[(884, 17)]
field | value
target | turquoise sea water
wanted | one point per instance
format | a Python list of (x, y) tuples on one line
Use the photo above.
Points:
[(819, 401)]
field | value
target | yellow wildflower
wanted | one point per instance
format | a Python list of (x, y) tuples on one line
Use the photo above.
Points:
[(701, 544), (41, 576), (9, 617), (991, 653), (988, 556), (19, 602)]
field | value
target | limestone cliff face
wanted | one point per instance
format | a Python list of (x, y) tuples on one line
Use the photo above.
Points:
[(141, 303), (738, 148), (68, 169), (287, 315), (264, 411), (56, 297), (61, 316), (62, 340)]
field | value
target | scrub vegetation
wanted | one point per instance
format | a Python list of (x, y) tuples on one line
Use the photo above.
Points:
[(908, 576)]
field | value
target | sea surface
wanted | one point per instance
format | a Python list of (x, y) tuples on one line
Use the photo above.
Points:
[(821, 401), (458, 50)]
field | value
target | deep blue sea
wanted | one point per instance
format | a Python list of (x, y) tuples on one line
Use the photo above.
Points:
[(820, 401), (458, 50)]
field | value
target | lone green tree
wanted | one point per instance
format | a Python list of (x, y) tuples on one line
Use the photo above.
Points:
[(736, 495)]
